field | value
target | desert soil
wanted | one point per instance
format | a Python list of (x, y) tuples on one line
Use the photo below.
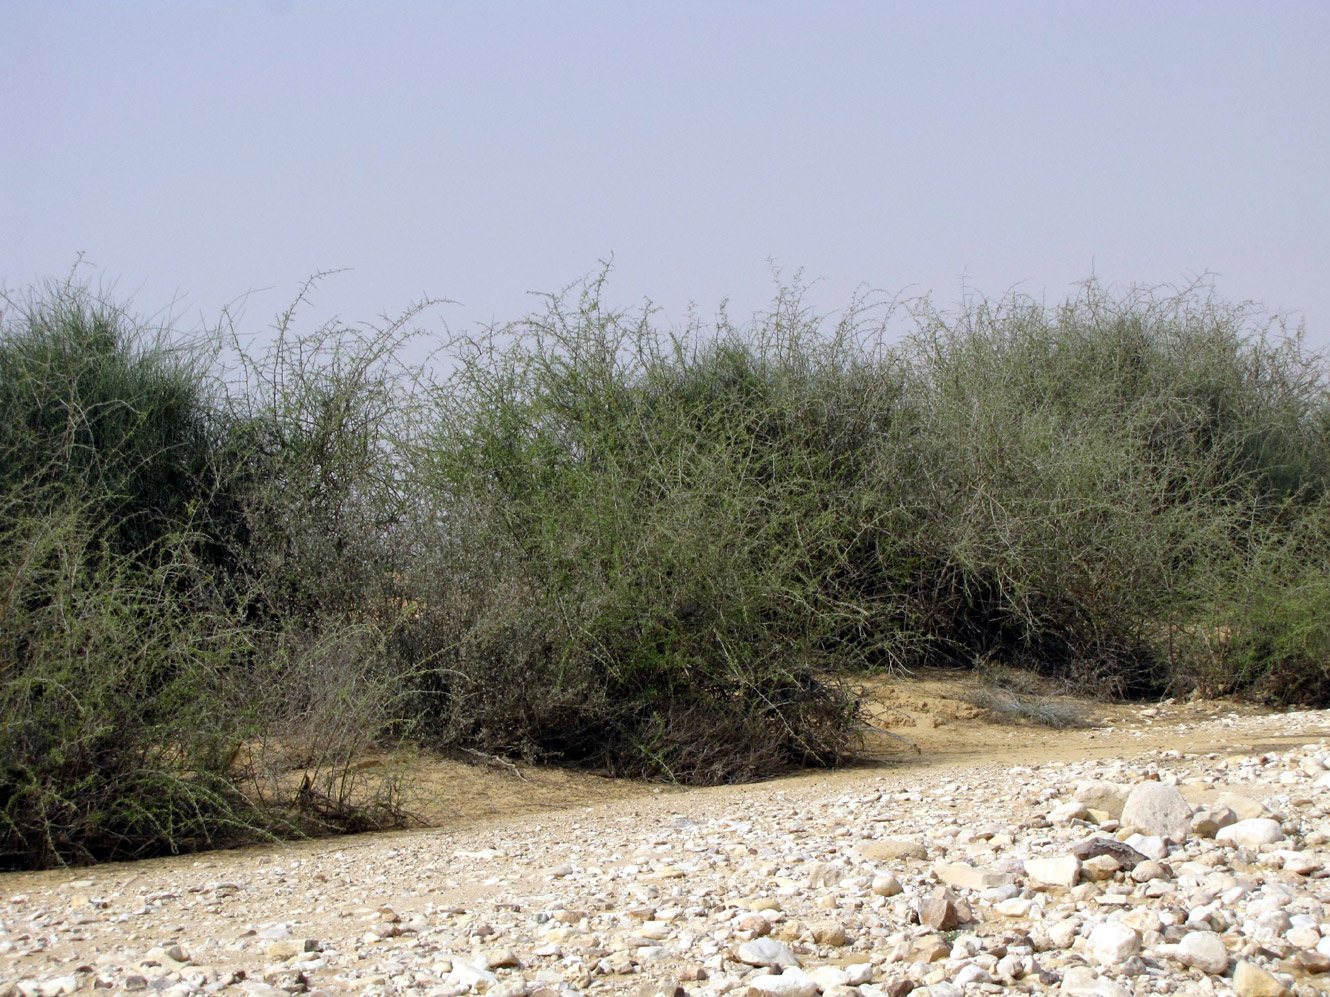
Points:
[(959, 856)]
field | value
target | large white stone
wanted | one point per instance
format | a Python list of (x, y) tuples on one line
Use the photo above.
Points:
[(1252, 833), (1060, 872), (1082, 981), (960, 876), (1098, 794), (792, 982), (766, 952), (471, 976), (1203, 950), (1158, 808), (1112, 943)]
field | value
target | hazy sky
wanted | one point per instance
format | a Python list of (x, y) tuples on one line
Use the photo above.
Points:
[(478, 151)]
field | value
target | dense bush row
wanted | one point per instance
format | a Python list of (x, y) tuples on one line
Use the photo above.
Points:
[(658, 552)]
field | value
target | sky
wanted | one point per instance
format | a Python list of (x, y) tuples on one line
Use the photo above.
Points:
[(198, 155)]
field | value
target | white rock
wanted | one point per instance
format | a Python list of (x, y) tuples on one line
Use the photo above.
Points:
[(1082, 981), (1203, 950), (793, 982), (960, 876), (1150, 845), (827, 977), (1060, 872), (1112, 942), (1098, 794), (471, 976), (766, 952), (858, 973), (970, 973), (1158, 808), (1252, 833)]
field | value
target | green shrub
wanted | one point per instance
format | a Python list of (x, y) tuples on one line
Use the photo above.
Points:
[(96, 410), (1081, 476), (657, 519)]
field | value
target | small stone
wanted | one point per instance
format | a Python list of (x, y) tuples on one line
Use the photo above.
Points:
[(1243, 806), (939, 911), (891, 849), (929, 948), (1253, 832), (1112, 942), (960, 876), (1203, 950), (1058, 873), (886, 885), (1158, 808), (828, 933), (1250, 980), (971, 973), (1100, 868), (504, 958), (766, 952), (793, 982)]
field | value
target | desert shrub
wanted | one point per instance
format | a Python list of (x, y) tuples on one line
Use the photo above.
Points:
[(1268, 632), (101, 411), (1081, 476), (657, 518), (154, 694), (109, 748)]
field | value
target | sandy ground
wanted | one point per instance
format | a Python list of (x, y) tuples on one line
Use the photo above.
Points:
[(925, 722)]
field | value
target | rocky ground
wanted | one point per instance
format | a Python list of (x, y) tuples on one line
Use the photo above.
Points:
[(1171, 850)]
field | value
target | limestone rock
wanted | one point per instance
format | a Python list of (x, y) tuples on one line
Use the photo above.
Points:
[(891, 849), (1243, 806), (1253, 832), (1098, 794), (1112, 943), (1250, 980), (793, 982), (1059, 873), (766, 952), (886, 885), (960, 876), (1158, 808), (1203, 950)]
